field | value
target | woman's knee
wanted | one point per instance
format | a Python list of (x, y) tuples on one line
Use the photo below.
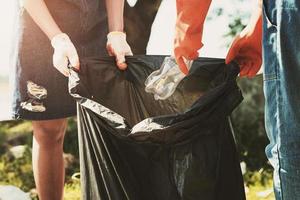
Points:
[(49, 133)]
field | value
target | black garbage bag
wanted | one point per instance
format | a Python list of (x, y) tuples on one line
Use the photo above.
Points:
[(134, 147)]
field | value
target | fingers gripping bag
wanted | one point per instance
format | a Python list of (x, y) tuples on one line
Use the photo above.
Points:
[(134, 147)]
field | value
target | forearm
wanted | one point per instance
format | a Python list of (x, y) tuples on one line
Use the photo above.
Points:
[(39, 12), (191, 15), (254, 27), (115, 11)]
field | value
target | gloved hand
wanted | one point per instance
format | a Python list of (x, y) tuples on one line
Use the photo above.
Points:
[(64, 52), (189, 30), (246, 48), (163, 82), (117, 46), (247, 52)]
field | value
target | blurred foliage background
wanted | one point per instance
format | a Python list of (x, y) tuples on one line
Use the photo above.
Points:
[(15, 157), (247, 121)]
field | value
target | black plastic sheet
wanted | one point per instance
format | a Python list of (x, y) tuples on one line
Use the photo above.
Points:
[(134, 147)]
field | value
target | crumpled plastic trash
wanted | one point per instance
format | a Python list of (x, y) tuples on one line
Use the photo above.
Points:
[(163, 82)]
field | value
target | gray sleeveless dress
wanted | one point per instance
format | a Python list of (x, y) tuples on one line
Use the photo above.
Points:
[(40, 92)]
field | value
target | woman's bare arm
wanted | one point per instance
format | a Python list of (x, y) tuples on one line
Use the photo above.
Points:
[(116, 39), (64, 49), (115, 12), (39, 12)]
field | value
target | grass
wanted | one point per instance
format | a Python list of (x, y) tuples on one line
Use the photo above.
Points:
[(261, 192), (24, 128), (72, 191)]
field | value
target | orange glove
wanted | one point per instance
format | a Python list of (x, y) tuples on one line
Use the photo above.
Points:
[(246, 48), (189, 28)]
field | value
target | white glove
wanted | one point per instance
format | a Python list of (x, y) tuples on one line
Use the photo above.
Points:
[(163, 82), (64, 52), (117, 46)]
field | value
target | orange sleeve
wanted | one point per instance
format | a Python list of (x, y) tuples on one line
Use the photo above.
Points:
[(191, 15)]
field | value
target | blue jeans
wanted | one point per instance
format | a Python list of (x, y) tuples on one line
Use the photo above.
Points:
[(281, 52)]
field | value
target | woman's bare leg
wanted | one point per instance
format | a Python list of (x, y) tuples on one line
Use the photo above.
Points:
[(47, 158)]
